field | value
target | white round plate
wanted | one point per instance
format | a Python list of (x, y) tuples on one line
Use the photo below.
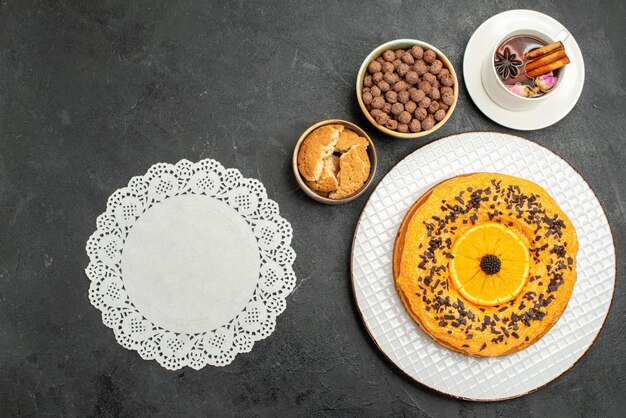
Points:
[(190, 264), (403, 342), (547, 112)]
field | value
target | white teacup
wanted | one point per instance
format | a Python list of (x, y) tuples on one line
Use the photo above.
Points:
[(498, 91)]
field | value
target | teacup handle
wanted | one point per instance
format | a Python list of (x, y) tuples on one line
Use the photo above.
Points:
[(562, 35)]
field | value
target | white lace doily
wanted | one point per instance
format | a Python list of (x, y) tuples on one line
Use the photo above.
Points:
[(190, 264)]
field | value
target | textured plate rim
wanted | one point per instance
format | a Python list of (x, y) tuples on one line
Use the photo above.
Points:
[(402, 371)]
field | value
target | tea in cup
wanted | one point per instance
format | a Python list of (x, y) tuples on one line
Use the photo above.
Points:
[(524, 67)]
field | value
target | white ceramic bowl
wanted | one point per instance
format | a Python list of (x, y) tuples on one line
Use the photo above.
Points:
[(371, 153), (404, 44)]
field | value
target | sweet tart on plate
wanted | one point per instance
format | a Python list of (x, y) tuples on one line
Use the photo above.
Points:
[(485, 263)]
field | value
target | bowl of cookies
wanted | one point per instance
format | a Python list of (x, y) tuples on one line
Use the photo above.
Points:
[(407, 88), (334, 161)]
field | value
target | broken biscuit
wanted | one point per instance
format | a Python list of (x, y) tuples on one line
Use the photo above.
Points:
[(353, 172), (327, 181), (349, 138), (317, 146)]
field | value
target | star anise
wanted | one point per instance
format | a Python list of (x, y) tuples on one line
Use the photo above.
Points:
[(507, 66)]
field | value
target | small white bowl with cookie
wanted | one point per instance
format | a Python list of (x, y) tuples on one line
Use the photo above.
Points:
[(334, 161)]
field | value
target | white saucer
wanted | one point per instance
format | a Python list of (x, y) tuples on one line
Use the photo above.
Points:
[(548, 111)]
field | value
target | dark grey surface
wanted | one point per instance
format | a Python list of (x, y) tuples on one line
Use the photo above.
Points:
[(92, 93)]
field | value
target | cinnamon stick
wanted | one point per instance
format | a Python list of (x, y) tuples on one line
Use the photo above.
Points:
[(555, 65), (546, 59), (543, 50)]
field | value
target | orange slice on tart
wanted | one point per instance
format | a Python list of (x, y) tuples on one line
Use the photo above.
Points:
[(490, 264)]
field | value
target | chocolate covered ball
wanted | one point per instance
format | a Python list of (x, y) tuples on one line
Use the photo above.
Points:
[(400, 86), (392, 124), (367, 81), (375, 112), (443, 72), (425, 102), (382, 118), (387, 108), (404, 96), (376, 77), (389, 55), (428, 77), (447, 80), (377, 102), (374, 67), (439, 115), (420, 67), (415, 126), (428, 122), (420, 113), (375, 90), (403, 69), (397, 108), (412, 77), (436, 66), (403, 128), (434, 94), (408, 58), (390, 77), (404, 117), (448, 99), (396, 63), (391, 96), (446, 90), (434, 106), (399, 53), (417, 95), (410, 106), (367, 97), (387, 67), (383, 86), (429, 56), (424, 86), (417, 52)]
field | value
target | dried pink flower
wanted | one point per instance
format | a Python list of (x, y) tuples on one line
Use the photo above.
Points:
[(521, 90), (546, 82)]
